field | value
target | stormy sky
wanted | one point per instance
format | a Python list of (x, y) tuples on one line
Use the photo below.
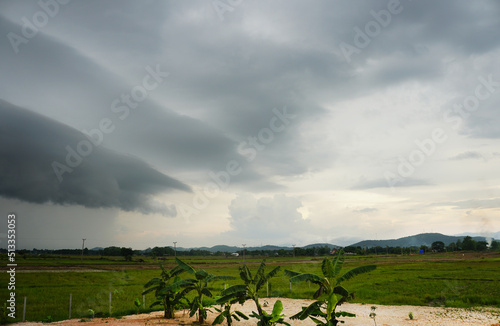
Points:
[(259, 122)]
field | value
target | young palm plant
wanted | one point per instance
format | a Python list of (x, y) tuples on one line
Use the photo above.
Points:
[(166, 292), (199, 284), (250, 289), (330, 293)]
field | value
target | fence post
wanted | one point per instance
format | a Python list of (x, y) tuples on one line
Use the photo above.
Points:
[(110, 303), (24, 309), (290, 286), (267, 288), (70, 305), (309, 285), (143, 301)]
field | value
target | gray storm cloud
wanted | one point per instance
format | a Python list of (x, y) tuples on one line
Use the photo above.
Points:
[(415, 68), (30, 144)]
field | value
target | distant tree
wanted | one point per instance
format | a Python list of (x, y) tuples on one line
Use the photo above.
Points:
[(169, 251), (127, 253), (481, 245), (451, 247), (438, 246), (350, 249), (495, 245), (111, 251), (468, 243)]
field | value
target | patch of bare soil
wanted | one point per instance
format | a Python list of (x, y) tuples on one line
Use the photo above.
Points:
[(385, 315)]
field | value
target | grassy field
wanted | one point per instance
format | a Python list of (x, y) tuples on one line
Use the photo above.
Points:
[(453, 279)]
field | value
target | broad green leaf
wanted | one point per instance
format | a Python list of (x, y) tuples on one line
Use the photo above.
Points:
[(218, 320), (260, 272), (234, 289), (356, 271), (341, 291), (338, 263), (331, 305), (245, 274), (290, 273), (201, 274), (327, 268), (154, 281), (207, 292), (242, 315), (277, 308), (176, 271), (313, 309), (344, 314), (185, 266), (307, 277), (317, 321)]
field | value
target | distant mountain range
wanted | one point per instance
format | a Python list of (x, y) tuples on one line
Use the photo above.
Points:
[(418, 240), (223, 248), (425, 239)]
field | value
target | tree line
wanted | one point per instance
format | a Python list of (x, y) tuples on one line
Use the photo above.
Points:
[(467, 244)]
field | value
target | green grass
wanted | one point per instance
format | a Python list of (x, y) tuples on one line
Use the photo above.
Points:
[(441, 279)]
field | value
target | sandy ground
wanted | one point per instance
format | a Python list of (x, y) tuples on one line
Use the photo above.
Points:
[(386, 315)]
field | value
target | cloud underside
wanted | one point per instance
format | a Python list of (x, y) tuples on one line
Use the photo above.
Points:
[(389, 182), (42, 161)]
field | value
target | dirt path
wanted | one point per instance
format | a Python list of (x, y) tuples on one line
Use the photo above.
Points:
[(386, 315)]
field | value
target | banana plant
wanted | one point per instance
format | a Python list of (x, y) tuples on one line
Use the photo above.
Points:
[(166, 290), (199, 284), (330, 293), (137, 304), (276, 317), (249, 290), (225, 313)]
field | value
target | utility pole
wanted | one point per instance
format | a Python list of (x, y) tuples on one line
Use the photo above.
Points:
[(175, 249), (293, 250), (243, 252), (83, 246)]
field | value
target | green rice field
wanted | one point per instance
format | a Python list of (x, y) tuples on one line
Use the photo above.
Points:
[(447, 279)]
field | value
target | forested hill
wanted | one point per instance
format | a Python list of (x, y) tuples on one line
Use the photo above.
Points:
[(422, 239)]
